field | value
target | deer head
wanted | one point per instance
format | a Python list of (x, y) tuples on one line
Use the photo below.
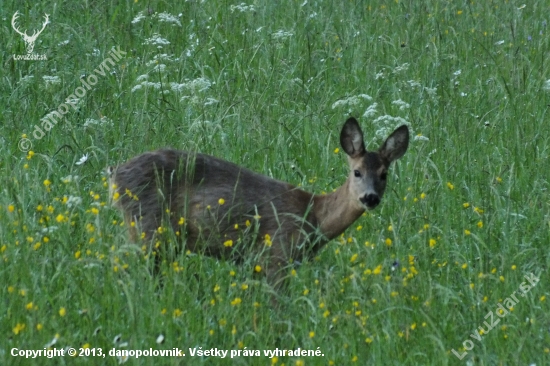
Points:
[(29, 40)]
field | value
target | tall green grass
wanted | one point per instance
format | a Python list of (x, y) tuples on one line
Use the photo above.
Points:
[(465, 217)]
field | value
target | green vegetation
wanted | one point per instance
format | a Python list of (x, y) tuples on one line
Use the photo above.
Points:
[(268, 84)]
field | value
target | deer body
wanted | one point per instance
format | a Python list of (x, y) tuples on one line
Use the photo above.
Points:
[(219, 199)]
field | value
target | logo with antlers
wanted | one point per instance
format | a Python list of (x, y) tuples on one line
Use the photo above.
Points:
[(29, 40)]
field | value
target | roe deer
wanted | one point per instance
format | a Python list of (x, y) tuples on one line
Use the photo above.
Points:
[(216, 198)]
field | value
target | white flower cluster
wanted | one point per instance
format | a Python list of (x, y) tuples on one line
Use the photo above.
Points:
[(167, 18), (281, 35), (194, 86), (243, 8), (156, 39), (401, 104), (102, 122), (51, 79), (163, 17), (351, 101), (386, 124)]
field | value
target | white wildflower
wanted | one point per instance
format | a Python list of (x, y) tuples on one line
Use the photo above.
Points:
[(281, 35), (199, 84), (63, 43), (49, 229), (159, 67), (365, 96), (139, 17), (83, 159), (431, 91), (379, 75), (194, 86), (421, 138), (350, 101), (178, 88), (387, 124), (156, 39), (371, 110), (51, 79), (457, 72), (210, 101), (26, 79), (142, 77), (168, 18), (102, 122), (390, 120), (192, 99), (164, 57), (146, 84), (193, 43), (546, 85), (70, 178), (149, 84), (96, 52), (401, 68), (73, 201), (242, 7), (401, 104), (414, 84), (501, 42)]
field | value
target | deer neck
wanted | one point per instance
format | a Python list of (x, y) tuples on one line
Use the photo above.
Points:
[(336, 211)]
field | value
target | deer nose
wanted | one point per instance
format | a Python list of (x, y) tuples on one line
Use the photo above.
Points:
[(371, 200)]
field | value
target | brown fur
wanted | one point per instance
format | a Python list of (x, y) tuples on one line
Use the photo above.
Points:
[(299, 223)]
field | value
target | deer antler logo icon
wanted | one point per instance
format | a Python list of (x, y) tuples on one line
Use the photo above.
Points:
[(29, 40)]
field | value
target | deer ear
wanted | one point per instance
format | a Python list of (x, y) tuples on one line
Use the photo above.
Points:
[(351, 138), (396, 145)]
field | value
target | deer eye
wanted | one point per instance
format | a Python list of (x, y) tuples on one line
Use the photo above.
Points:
[(384, 176), (357, 173)]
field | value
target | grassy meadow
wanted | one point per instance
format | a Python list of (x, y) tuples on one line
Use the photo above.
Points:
[(268, 85)]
